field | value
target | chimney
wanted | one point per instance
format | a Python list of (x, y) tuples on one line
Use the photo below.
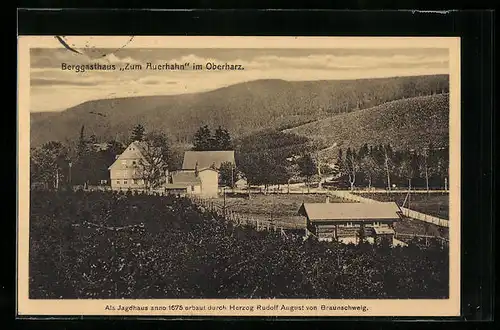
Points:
[(327, 199)]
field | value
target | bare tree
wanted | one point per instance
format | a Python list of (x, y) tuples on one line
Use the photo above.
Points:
[(370, 167), (351, 166), (424, 166), (387, 164), (155, 161)]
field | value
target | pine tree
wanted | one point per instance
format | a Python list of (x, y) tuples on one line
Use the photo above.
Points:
[(82, 144), (222, 139), (203, 139), (138, 133)]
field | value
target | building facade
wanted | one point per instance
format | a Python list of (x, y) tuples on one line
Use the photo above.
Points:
[(198, 176), (125, 172)]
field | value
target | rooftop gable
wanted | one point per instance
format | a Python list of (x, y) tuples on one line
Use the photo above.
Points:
[(133, 151), (207, 159)]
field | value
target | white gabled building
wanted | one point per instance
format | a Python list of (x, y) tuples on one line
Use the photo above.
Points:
[(125, 171), (199, 174)]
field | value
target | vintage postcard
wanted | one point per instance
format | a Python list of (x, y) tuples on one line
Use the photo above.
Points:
[(238, 176)]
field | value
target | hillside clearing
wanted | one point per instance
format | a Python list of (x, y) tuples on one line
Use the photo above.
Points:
[(405, 124)]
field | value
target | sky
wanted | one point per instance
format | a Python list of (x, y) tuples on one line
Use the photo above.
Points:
[(54, 89)]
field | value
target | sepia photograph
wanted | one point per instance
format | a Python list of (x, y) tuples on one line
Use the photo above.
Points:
[(239, 176)]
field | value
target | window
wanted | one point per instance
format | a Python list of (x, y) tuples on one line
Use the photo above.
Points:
[(117, 181), (133, 162), (349, 224), (192, 188), (124, 181), (135, 181)]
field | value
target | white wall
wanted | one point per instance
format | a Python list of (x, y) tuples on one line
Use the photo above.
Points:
[(209, 183)]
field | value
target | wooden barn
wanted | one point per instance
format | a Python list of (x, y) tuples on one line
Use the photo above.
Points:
[(344, 221)]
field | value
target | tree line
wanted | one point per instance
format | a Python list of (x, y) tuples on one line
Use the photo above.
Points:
[(363, 94), (265, 158), (273, 158), (86, 162), (383, 167)]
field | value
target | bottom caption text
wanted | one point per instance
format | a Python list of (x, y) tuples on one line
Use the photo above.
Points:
[(257, 308)]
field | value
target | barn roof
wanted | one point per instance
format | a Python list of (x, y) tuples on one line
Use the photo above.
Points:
[(349, 211), (207, 159), (185, 177)]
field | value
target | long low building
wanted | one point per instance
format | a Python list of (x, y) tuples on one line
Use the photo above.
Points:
[(344, 221)]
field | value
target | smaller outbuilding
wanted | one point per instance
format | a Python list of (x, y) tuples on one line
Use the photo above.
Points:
[(347, 221)]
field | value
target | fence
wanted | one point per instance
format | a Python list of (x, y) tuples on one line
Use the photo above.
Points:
[(425, 217), (426, 239), (346, 195), (244, 220)]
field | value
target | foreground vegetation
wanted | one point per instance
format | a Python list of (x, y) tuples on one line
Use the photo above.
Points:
[(108, 245)]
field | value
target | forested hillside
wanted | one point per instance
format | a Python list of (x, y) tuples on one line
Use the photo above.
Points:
[(412, 123), (242, 108)]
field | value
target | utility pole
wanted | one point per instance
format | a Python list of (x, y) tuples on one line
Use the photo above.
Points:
[(232, 178), (224, 207), (272, 199), (318, 164), (70, 164)]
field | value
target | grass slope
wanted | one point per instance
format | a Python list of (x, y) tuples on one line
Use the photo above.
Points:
[(408, 123), (242, 108)]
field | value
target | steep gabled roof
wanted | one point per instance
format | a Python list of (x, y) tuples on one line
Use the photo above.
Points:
[(206, 159), (133, 151), (349, 211)]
